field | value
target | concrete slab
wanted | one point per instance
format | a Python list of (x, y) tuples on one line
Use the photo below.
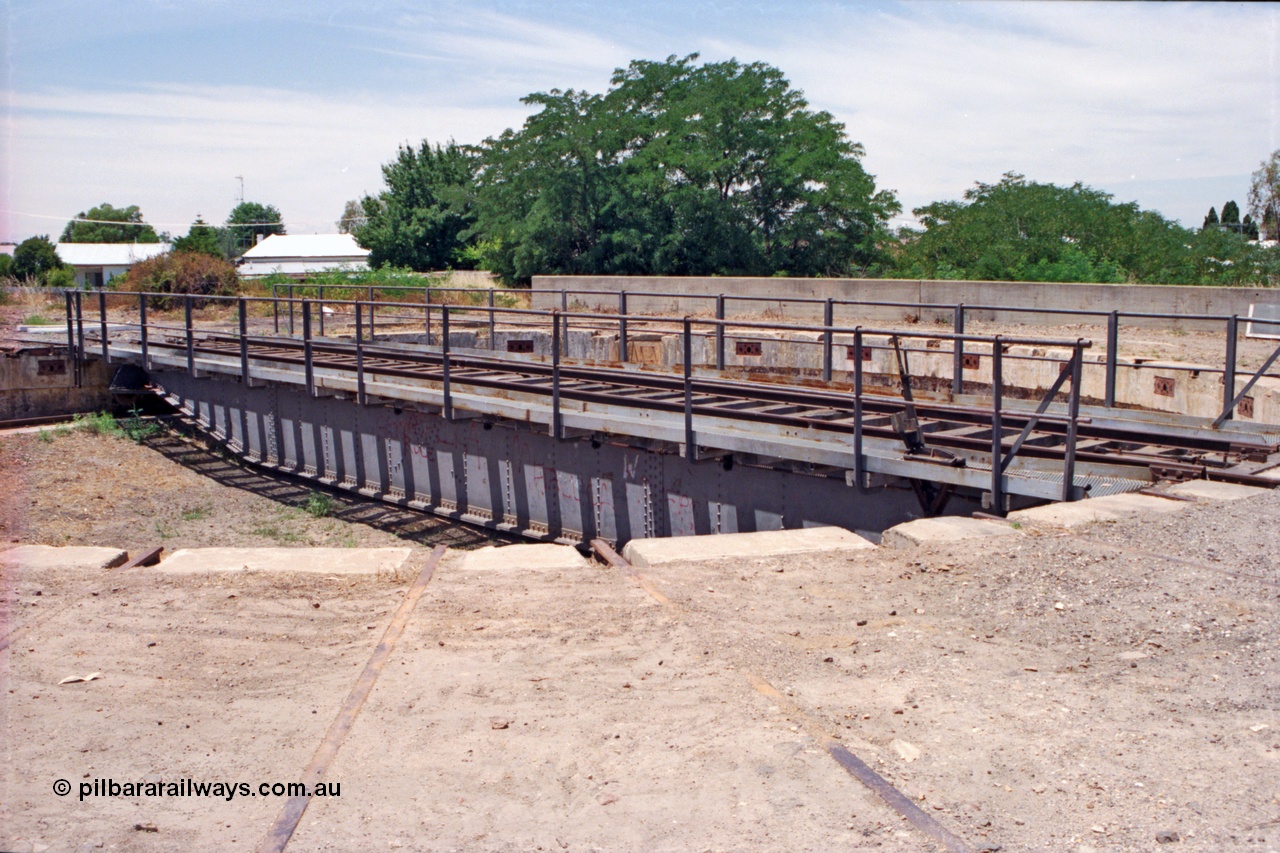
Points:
[(1110, 508), (70, 557), (510, 558), (765, 543), (927, 531), (1210, 490), (327, 561)]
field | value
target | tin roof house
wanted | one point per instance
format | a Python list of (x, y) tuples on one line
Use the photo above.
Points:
[(97, 263), (296, 255)]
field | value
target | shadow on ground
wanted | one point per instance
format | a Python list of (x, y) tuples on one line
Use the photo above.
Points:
[(198, 452)]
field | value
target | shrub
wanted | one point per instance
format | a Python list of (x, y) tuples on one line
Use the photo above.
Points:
[(179, 273)]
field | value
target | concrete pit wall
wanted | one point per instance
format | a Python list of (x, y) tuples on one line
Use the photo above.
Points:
[(770, 295), (39, 381)]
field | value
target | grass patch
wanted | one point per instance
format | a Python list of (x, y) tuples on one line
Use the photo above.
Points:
[(45, 436), (36, 320), (270, 531), (102, 423), (318, 505), (195, 514)]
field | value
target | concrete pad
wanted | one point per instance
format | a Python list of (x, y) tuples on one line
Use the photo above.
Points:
[(509, 558), (325, 561), (927, 531), (71, 557), (764, 543), (1210, 490), (1110, 508)]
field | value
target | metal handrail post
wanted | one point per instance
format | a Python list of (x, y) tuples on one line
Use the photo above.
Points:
[(997, 427), (373, 331), (828, 319), (360, 395), (622, 326), (291, 332), (720, 332), (556, 424), (80, 353), (275, 311), (242, 311), (564, 300), (957, 361), (308, 366), (426, 307), (71, 339), (1113, 344), (857, 408), (320, 298), (102, 322), (191, 342), (690, 447), (1229, 367), (492, 322), (444, 359), (142, 327), (1073, 426)]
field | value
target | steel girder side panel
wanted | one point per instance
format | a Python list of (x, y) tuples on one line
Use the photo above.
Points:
[(417, 435), (478, 490), (681, 504), (311, 447), (448, 485), (291, 429), (538, 458)]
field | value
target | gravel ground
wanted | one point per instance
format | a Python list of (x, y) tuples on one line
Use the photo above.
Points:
[(1101, 690)]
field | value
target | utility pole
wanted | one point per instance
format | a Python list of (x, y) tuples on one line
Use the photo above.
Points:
[(240, 178)]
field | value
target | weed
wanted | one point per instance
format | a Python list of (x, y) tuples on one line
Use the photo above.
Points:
[(36, 320), (1016, 525), (100, 424), (164, 532), (45, 436), (318, 505), (195, 514), (62, 430), (137, 429)]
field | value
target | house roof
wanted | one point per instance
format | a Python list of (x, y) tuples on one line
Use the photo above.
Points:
[(285, 246), (108, 254)]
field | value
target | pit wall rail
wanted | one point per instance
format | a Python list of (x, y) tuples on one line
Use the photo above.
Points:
[(436, 320)]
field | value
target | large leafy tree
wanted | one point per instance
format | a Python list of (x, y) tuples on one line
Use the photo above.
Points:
[(680, 169), (421, 219), (1017, 229), (249, 221), (35, 257), (1264, 196), (107, 224)]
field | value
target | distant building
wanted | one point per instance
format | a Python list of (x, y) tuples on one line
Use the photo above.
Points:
[(97, 263), (296, 255)]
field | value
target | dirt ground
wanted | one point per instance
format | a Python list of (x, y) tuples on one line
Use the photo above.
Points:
[(1098, 691)]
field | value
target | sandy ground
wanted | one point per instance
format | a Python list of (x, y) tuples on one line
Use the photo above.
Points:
[(1098, 691)]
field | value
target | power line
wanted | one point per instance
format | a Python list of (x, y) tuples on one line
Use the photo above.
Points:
[(152, 224)]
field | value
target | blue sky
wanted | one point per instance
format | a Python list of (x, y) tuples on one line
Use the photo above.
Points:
[(163, 103)]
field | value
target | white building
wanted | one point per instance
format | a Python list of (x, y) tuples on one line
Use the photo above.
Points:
[(97, 263), (296, 255)]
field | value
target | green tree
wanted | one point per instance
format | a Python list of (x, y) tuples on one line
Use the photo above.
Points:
[(6, 265), (107, 224), (1231, 216), (1211, 218), (202, 238), (422, 218), (1249, 228), (1264, 196), (352, 217), (680, 169), (249, 221), (35, 258)]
